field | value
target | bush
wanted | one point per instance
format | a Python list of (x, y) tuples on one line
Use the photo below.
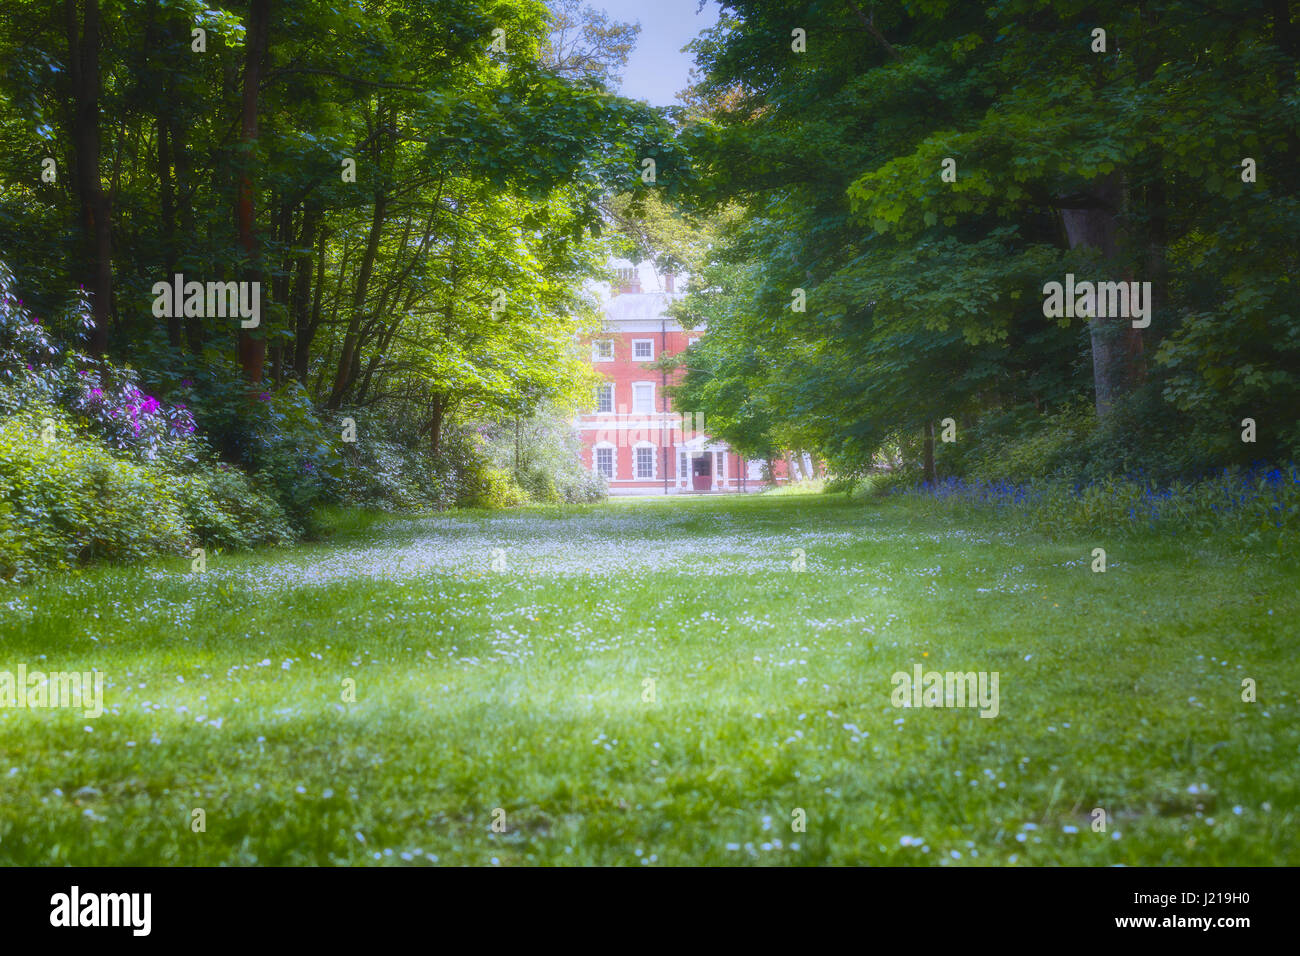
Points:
[(36, 369), (493, 488), (294, 452), (546, 450), (1251, 507), (1026, 448), (590, 486), (391, 477), (224, 510), (67, 500)]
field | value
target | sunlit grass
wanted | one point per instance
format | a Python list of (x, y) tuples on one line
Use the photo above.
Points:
[(524, 689)]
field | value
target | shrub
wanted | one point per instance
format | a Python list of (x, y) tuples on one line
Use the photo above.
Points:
[(493, 488), (67, 500), (1028, 448), (1251, 507), (294, 452), (36, 369), (390, 476), (224, 509), (590, 486), (546, 451)]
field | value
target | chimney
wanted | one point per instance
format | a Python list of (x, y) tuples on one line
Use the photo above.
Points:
[(669, 279)]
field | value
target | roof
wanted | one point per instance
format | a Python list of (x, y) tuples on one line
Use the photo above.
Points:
[(639, 306)]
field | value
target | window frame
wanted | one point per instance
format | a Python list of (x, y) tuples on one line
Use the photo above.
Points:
[(613, 459), (636, 389), (653, 449)]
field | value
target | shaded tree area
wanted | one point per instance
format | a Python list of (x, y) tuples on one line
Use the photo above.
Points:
[(911, 179), (415, 187)]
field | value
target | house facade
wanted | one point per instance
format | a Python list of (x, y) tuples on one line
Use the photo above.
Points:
[(632, 433)]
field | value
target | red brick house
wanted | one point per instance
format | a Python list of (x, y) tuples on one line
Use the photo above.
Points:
[(632, 434)]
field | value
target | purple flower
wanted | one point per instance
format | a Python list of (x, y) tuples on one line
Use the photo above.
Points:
[(264, 397)]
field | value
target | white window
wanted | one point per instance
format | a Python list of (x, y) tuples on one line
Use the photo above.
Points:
[(693, 341), (602, 350), (720, 459), (643, 350), (645, 461), (605, 397), (683, 465), (643, 397), (605, 460)]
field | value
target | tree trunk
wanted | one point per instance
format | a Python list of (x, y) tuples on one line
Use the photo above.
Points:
[(433, 427), (252, 342), (158, 37), (184, 210), (96, 222), (927, 454), (1094, 223), (300, 301), (348, 358)]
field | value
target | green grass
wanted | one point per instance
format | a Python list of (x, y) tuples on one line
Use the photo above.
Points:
[(523, 690)]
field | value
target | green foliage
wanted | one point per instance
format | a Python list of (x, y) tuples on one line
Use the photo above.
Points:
[(67, 500), (393, 477), (224, 509), (1243, 509), (439, 288), (490, 487), (922, 294), (293, 451), (543, 453), (1017, 448)]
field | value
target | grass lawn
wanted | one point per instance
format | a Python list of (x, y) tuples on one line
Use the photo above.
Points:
[(524, 689)]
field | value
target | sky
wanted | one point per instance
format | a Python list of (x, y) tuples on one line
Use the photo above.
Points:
[(658, 69)]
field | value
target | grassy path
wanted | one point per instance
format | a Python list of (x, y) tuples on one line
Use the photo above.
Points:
[(524, 688)]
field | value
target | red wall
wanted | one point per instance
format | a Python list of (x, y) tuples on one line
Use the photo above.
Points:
[(623, 371)]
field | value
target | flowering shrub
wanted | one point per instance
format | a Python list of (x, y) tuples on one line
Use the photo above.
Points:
[(36, 368), (225, 510), (294, 451), (94, 469), (390, 476)]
